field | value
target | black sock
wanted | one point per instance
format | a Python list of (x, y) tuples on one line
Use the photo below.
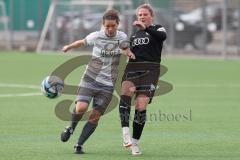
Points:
[(124, 110), (75, 119), (138, 123), (87, 130)]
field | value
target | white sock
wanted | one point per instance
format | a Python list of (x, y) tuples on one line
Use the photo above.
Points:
[(135, 141), (125, 130)]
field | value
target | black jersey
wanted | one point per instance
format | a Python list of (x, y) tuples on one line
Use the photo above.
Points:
[(147, 45)]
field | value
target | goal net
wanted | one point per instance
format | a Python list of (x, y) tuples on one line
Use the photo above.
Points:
[(68, 21)]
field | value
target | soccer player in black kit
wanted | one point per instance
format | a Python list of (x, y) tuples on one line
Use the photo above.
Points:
[(141, 75)]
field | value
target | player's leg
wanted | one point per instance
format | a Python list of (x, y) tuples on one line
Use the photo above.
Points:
[(83, 99), (100, 102), (78, 112), (139, 122), (127, 92), (87, 130), (145, 93)]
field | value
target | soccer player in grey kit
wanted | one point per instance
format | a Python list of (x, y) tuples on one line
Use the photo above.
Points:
[(98, 81)]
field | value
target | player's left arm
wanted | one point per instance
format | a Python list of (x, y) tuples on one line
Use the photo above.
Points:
[(159, 33)]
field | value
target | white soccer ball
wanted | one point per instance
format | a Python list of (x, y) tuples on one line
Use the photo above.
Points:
[(52, 86)]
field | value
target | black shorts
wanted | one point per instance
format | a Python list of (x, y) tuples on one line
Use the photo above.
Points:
[(145, 77)]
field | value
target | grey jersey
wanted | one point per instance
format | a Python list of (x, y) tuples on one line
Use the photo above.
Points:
[(105, 56)]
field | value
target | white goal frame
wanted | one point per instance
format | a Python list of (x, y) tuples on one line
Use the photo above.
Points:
[(54, 3), (5, 21)]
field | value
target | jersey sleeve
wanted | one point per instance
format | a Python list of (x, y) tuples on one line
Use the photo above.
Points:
[(123, 37), (158, 32), (161, 29), (124, 42), (91, 38)]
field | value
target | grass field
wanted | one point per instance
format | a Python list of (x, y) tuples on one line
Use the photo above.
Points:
[(198, 120)]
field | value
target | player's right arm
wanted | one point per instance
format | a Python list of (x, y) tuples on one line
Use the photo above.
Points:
[(89, 40), (75, 44), (128, 53)]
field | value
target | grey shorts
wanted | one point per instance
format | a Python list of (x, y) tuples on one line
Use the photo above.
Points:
[(92, 90)]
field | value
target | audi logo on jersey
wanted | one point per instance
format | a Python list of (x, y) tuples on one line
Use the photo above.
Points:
[(140, 41)]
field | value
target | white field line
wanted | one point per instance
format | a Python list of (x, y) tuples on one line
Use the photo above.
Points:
[(19, 95), (4, 85), (210, 85), (207, 85)]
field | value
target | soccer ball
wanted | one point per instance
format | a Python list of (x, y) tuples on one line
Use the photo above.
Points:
[(52, 86)]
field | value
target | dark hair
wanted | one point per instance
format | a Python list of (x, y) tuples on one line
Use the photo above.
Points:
[(111, 14), (145, 6)]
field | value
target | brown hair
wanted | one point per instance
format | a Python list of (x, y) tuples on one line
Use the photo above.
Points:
[(111, 14), (145, 6)]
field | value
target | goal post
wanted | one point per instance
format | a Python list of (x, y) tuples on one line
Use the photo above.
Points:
[(4, 26), (71, 20)]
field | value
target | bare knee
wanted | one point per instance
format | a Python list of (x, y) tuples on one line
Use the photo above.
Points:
[(142, 102), (81, 107)]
